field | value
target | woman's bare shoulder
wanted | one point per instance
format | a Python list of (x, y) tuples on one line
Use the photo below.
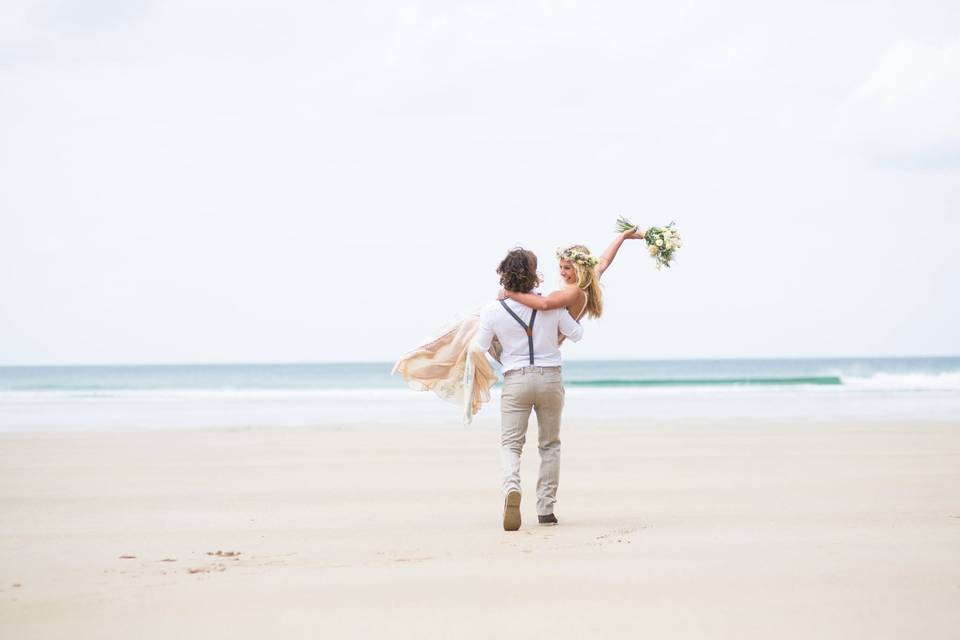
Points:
[(568, 291), (566, 288), (579, 299)]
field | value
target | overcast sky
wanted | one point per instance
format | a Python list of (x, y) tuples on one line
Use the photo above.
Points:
[(333, 181)]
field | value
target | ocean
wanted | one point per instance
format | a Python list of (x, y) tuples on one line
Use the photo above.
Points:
[(329, 394)]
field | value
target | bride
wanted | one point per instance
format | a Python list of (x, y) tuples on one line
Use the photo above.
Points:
[(447, 366), (581, 274)]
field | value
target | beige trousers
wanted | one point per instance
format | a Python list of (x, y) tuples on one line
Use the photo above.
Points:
[(541, 390)]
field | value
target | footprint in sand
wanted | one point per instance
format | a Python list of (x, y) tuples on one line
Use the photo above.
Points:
[(216, 568), (263, 561), (127, 557), (414, 559), (617, 535)]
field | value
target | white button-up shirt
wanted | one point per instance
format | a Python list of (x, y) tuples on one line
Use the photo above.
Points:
[(495, 321)]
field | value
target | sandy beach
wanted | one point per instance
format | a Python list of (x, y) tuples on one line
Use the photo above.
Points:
[(673, 530)]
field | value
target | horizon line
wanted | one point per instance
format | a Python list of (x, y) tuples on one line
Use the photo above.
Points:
[(360, 362)]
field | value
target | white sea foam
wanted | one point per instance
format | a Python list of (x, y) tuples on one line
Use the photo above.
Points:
[(945, 381), (175, 395), (894, 382), (190, 408)]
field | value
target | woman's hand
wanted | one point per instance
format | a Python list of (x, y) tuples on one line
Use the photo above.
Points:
[(636, 234)]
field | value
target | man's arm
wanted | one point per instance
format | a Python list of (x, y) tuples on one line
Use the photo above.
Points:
[(484, 338), (570, 327)]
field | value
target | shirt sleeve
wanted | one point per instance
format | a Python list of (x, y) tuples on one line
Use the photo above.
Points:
[(484, 337), (570, 327)]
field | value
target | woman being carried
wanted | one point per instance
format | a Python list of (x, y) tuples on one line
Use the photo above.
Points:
[(580, 272), (446, 365)]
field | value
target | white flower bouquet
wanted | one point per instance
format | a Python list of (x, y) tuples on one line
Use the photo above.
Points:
[(662, 242)]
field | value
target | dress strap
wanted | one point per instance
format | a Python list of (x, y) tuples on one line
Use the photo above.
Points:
[(560, 336), (586, 301)]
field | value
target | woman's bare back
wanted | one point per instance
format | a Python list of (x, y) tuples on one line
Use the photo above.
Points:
[(577, 308)]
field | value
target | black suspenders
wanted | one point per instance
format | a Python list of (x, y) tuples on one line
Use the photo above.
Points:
[(529, 330)]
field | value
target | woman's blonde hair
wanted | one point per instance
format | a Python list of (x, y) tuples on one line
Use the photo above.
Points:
[(585, 266)]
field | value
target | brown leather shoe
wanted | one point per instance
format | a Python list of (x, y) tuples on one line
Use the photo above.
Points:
[(511, 511)]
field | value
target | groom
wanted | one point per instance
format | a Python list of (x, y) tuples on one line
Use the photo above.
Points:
[(531, 380)]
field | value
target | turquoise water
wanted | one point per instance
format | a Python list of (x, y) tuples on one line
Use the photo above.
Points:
[(904, 373), (169, 396)]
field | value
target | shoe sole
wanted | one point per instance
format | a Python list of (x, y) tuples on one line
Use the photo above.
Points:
[(511, 512)]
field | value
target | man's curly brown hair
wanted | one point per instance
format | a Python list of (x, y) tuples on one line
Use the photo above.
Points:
[(518, 271)]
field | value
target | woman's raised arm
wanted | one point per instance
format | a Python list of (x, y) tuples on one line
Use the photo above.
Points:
[(606, 259)]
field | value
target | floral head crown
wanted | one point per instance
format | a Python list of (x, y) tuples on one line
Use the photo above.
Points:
[(578, 257)]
